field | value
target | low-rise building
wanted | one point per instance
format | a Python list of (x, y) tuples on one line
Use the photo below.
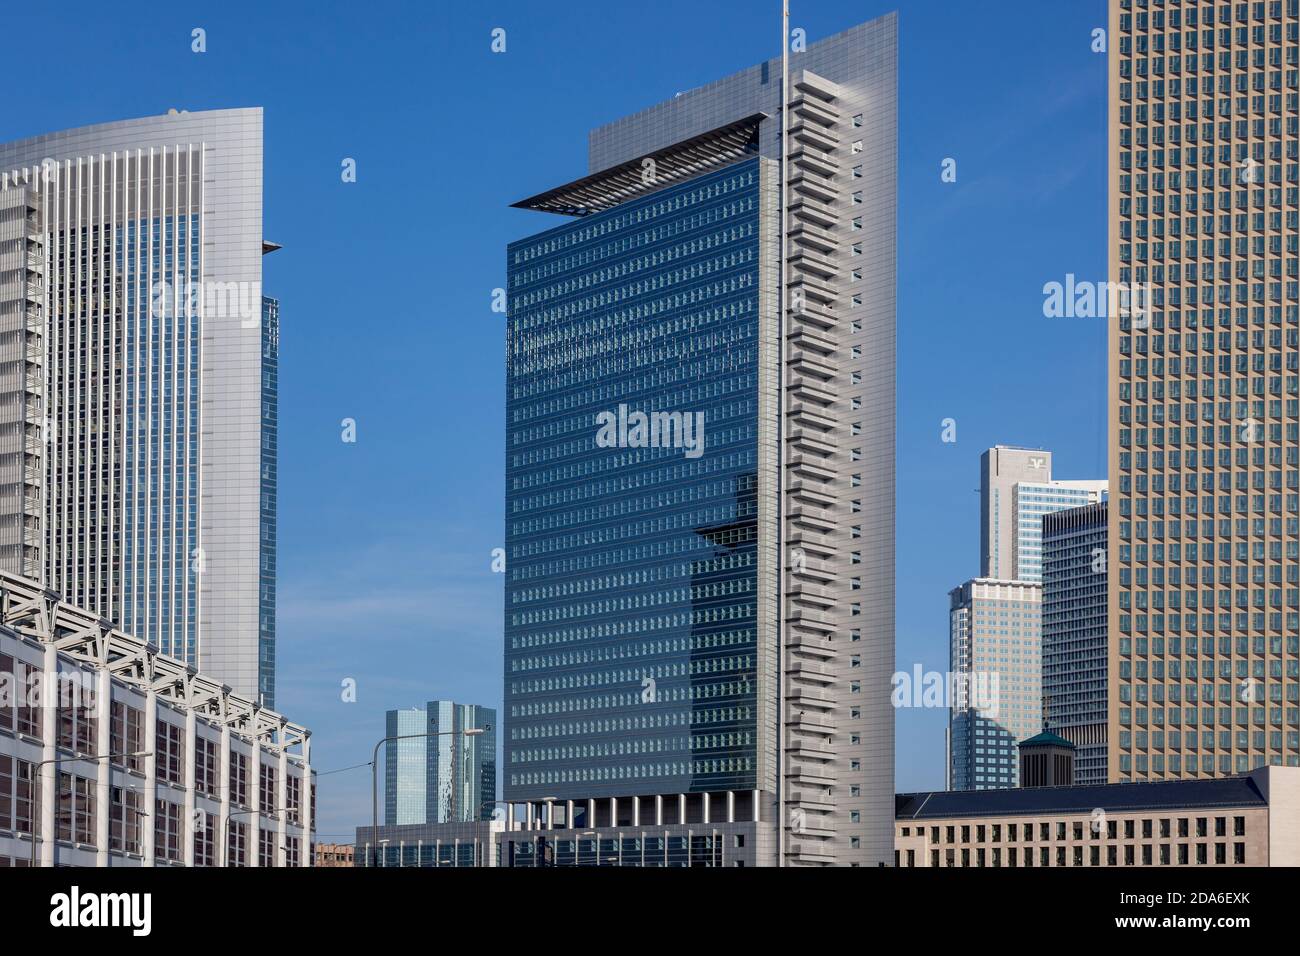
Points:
[(112, 754), (330, 855), (461, 843), (1248, 820)]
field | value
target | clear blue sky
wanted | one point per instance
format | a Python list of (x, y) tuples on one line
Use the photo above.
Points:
[(386, 283)]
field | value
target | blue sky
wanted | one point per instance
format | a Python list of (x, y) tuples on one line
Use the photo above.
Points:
[(386, 284)]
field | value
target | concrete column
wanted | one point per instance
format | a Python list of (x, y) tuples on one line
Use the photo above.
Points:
[(223, 787), (568, 814), (707, 809), (756, 807), (305, 815), (282, 801), (103, 780), (636, 811), (591, 814), (510, 817), (681, 808), (529, 821), (659, 809), (613, 812), (49, 750), (149, 821), (189, 822), (731, 806), (253, 819), (550, 815)]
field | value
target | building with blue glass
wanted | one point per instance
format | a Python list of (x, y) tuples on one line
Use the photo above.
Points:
[(1074, 634), (699, 480), (437, 773)]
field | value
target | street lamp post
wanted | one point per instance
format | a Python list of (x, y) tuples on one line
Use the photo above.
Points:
[(374, 768), (32, 769)]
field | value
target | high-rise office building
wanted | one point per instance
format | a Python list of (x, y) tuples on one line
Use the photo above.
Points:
[(1016, 490), (1074, 634), (1204, 614), (995, 663), (138, 383), (995, 635), (700, 478), (439, 774)]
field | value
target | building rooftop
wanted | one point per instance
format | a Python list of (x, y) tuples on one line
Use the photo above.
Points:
[(1046, 739), (611, 187), (1112, 797)]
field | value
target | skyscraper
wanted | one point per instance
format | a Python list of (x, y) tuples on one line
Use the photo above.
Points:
[(1074, 634), (438, 774), (1016, 490), (700, 478), (995, 623), (995, 654), (138, 399), (1204, 615)]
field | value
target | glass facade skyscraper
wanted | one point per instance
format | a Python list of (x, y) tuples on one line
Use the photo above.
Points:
[(700, 480), (996, 667), (1074, 634), (636, 567), (438, 774), (138, 394)]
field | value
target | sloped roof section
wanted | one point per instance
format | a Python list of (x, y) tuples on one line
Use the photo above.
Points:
[(638, 177)]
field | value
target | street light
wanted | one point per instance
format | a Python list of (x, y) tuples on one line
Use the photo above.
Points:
[(374, 768), (31, 781)]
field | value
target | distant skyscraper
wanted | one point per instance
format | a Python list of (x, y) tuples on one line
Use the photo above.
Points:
[(995, 636), (1204, 618), (442, 777), (699, 611), (1074, 634), (138, 398), (995, 660), (1016, 490)]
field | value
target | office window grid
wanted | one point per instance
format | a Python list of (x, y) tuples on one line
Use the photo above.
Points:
[(1205, 534)]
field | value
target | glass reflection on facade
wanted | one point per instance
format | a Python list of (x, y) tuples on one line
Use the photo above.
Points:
[(631, 660), (437, 774)]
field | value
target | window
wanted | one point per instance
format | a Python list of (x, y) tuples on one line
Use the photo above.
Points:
[(169, 749), (124, 815), (75, 813), (205, 839), (8, 690), (167, 830), (238, 778), (126, 735), (266, 792), (265, 847), (15, 794), (237, 843), (27, 717), (291, 851), (77, 723), (293, 798), (205, 767)]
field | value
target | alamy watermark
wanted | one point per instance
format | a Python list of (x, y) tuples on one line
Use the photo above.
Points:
[(210, 299), (635, 429), (965, 690), (1075, 299)]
